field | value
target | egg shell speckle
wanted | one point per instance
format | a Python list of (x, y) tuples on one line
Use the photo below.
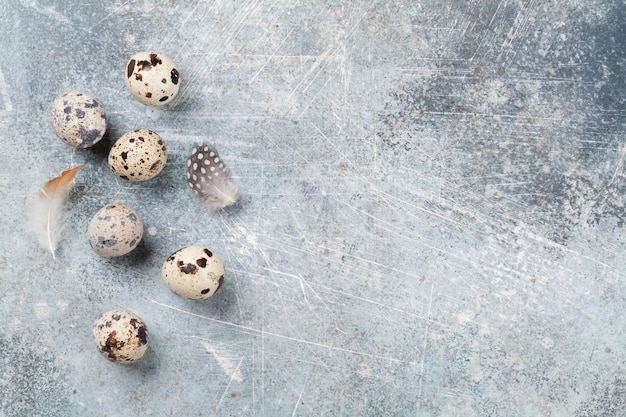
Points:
[(121, 336), (193, 272), (152, 78), (115, 230), (78, 118), (138, 155)]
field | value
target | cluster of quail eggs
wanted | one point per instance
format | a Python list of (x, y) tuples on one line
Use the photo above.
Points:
[(194, 272)]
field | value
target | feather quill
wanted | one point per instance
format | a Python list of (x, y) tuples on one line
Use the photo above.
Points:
[(48, 217), (209, 177)]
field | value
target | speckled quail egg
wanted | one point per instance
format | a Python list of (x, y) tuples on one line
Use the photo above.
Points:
[(139, 155), (115, 230), (120, 336), (78, 118), (152, 78), (194, 272)]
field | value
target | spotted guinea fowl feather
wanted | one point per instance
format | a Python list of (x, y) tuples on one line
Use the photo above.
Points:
[(209, 177)]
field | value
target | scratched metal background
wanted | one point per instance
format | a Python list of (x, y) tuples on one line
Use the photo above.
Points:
[(433, 219)]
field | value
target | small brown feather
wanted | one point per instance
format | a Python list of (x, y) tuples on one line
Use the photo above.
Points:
[(47, 220), (59, 186)]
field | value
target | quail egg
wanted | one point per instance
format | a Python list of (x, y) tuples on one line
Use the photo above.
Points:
[(152, 78), (120, 336), (138, 155), (115, 230), (78, 118), (194, 272)]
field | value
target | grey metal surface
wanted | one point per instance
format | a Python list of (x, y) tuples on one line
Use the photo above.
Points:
[(433, 219)]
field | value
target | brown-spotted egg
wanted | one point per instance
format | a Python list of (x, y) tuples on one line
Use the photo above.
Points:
[(138, 155), (115, 230), (120, 336), (194, 272), (78, 118), (152, 78)]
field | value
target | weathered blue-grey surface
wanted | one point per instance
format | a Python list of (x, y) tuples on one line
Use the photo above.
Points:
[(433, 219)]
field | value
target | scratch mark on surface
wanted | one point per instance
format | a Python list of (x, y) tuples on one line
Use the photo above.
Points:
[(620, 166), (550, 243), (321, 89), (518, 30), (4, 92), (424, 346), (221, 43), (232, 378), (252, 330), (227, 366), (319, 65), (272, 56), (113, 12), (297, 403), (483, 38), (48, 11), (303, 282)]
